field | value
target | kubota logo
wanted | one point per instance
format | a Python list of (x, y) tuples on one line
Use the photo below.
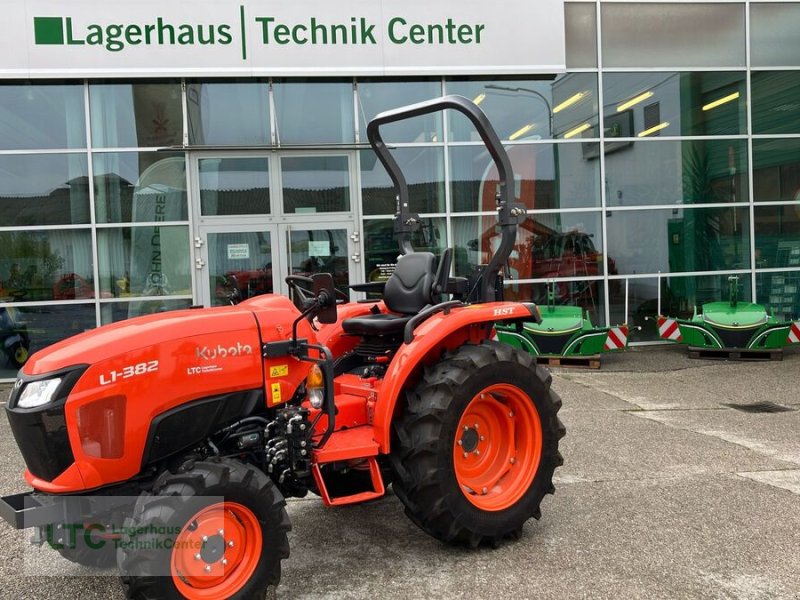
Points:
[(206, 353)]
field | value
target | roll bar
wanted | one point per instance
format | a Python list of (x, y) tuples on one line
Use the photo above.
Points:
[(510, 213)]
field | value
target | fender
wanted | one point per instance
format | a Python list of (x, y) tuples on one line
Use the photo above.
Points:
[(447, 331)]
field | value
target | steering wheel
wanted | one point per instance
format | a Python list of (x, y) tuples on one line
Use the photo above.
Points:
[(305, 294)]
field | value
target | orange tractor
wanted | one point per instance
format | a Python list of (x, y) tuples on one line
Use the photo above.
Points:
[(168, 443)]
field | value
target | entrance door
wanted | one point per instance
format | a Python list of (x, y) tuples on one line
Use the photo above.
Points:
[(262, 216)]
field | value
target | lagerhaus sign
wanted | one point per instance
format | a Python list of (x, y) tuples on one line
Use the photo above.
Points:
[(281, 37)]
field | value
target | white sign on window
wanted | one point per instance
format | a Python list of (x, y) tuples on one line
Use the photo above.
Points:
[(238, 251), (319, 248)]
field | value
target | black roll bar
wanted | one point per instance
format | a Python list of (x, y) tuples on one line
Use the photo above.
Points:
[(510, 213)]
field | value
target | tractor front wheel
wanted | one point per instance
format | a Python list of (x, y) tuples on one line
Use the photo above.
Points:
[(215, 530), (475, 449)]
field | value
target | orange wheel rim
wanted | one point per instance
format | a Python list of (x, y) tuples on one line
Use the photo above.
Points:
[(497, 447), (216, 552)]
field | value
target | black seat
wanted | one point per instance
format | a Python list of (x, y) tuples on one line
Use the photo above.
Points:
[(407, 292)]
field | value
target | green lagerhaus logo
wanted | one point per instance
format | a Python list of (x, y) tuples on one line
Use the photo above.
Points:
[(115, 37)]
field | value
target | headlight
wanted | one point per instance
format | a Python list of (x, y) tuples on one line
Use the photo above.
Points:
[(38, 393)]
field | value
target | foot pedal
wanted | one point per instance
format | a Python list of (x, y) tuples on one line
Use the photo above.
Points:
[(377, 491)]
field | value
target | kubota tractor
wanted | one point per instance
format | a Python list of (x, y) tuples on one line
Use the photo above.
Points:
[(209, 418)]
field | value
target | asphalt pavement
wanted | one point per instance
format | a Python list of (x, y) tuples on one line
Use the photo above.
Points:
[(670, 489)]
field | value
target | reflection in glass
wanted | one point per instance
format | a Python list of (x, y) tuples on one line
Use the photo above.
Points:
[(311, 112), (239, 265), (234, 186), (547, 246), (780, 293), (775, 105), (777, 230), (313, 184), (140, 187), (144, 261), (530, 109), (677, 103), (111, 312), (681, 295), (43, 189), (377, 96), (423, 169), (228, 113), (679, 240), (42, 116), (776, 170), (689, 172), (41, 326), (667, 34), (320, 251), (642, 307), (131, 115), (46, 265), (382, 249), (547, 176), (588, 294)]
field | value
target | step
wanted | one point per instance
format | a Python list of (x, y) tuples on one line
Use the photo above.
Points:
[(348, 444), (377, 491)]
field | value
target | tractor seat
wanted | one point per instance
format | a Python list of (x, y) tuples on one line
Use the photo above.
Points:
[(407, 292)]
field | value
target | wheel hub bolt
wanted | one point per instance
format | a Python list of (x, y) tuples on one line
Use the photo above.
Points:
[(224, 562), (460, 443), (511, 414), (230, 544), (466, 428), (221, 533), (465, 455), (513, 460), (197, 557), (482, 438), (208, 569), (476, 425), (205, 538), (485, 491), (477, 452)]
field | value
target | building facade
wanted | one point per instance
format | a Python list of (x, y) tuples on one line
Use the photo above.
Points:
[(661, 158)]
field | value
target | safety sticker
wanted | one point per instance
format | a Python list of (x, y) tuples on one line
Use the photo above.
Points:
[(279, 371), (276, 393)]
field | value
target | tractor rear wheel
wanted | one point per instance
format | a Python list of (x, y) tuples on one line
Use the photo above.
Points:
[(215, 530), (475, 449)]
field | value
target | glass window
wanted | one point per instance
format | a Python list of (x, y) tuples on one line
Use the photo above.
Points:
[(773, 34), (144, 261), (313, 184), (314, 113), (111, 312), (41, 116), (136, 115), (377, 96), (776, 170), (780, 292), (775, 101), (777, 230), (642, 307), (46, 265), (587, 293), (547, 246), (423, 169), (678, 240), (133, 187), (686, 103), (43, 189), (680, 295), (27, 329), (381, 247), (547, 176), (689, 172), (530, 109), (231, 113), (580, 20), (234, 186), (662, 34)]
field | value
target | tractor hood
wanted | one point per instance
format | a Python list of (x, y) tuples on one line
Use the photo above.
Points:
[(100, 344)]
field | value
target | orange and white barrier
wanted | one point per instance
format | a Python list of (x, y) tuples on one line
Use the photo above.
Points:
[(669, 329), (617, 338), (794, 333)]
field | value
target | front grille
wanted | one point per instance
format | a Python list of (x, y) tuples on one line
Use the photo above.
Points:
[(41, 433)]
